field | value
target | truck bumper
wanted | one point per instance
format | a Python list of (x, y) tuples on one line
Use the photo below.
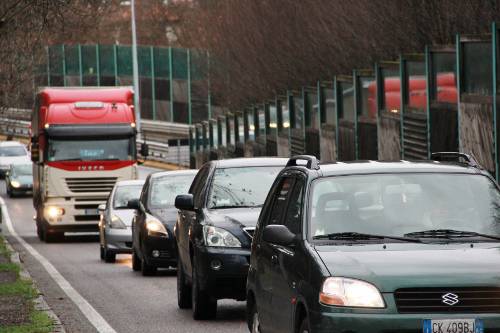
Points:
[(71, 214)]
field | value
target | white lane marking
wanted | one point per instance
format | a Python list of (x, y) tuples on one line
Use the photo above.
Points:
[(88, 311)]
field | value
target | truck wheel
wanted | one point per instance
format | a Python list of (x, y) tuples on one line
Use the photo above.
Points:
[(136, 261), (40, 232), (204, 307), (52, 237), (146, 269), (183, 289)]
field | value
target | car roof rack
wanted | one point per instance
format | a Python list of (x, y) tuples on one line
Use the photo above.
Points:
[(445, 156), (312, 161)]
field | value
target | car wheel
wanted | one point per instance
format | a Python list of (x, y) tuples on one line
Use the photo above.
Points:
[(136, 261), (254, 317), (40, 232), (146, 269), (304, 326), (183, 290), (109, 256), (204, 307), (102, 251)]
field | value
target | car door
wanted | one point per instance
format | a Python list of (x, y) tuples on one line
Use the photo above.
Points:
[(266, 257), (289, 267), (187, 218)]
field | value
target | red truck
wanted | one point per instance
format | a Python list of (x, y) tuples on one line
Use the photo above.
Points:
[(83, 141)]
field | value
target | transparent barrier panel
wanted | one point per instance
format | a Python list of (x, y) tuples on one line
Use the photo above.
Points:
[(443, 78), (89, 65), (346, 140), (124, 66), (366, 91), (162, 84), (241, 128), (415, 92), (56, 66), (251, 125), (199, 85), (180, 89), (223, 132), (145, 82), (72, 62), (273, 119), (476, 72), (107, 65), (328, 134)]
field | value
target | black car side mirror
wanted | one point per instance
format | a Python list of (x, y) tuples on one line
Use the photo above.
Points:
[(278, 234), (184, 202), (134, 204)]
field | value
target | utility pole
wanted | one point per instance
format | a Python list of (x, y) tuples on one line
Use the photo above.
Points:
[(135, 70)]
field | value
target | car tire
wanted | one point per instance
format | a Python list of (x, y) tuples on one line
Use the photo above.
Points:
[(136, 261), (147, 269), (304, 326), (184, 300), (204, 307), (254, 323), (102, 251), (40, 232), (109, 256)]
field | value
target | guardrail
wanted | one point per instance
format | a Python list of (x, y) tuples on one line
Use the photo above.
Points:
[(156, 133)]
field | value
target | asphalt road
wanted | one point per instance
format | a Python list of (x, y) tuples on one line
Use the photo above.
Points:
[(128, 301)]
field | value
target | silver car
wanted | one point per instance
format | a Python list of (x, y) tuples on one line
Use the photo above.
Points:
[(115, 231)]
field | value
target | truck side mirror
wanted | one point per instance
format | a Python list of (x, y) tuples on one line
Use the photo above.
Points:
[(144, 149)]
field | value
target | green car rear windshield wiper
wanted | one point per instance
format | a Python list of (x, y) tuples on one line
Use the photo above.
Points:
[(449, 233), (362, 236)]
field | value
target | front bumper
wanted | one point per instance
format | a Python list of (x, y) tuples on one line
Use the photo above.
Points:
[(350, 320), (79, 213), (118, 240), (166, 248), (229, 281)]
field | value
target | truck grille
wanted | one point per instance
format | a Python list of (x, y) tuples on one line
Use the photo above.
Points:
[(448, 300), (102, 184)]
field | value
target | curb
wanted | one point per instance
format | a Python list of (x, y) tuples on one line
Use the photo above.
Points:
[(39, 302)]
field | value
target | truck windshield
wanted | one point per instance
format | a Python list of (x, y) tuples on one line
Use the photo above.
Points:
[(401, 204), (91, 149)]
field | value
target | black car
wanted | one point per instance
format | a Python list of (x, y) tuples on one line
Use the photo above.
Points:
[(153, 240), (214, 230), (377, 247), (19, 179)]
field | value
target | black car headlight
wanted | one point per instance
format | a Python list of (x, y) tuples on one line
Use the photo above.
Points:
[(156, 228), (215, 236)]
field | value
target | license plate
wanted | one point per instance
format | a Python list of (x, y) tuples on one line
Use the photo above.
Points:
[(91, 212), (453, 326)]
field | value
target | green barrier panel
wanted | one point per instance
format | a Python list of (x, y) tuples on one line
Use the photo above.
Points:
[(476, 114), (346, 118), (414, 107), (496, 100), (124, 66), (72, 65), (199, 88), (365, 91), (442, 102), (107, 65), (89, 65), (146, 82), (56, 66), (213, 139), (271, 114), (328, 121), (161, 74), (389, 110), (180, 86), (312, 107)]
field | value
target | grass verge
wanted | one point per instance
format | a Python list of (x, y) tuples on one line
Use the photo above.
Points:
[(39, 321)]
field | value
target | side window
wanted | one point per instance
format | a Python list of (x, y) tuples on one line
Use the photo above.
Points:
[(293, 216), (280, 200), (197, 185), (144, 193)]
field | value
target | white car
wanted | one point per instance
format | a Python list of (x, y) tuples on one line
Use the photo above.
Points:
[(12, 152)]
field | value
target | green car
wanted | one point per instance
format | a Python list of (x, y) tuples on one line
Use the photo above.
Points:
[(19, 179), (378, 247)]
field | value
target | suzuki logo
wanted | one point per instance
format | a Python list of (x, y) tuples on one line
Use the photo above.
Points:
[(450, 299)]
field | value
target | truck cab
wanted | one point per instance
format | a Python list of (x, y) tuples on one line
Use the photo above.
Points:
[(83, 141)]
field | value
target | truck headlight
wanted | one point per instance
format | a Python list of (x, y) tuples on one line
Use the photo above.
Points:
[(219, 237), (15, 184), (346, 292), (53, 211), (156, 228), (117, 223)]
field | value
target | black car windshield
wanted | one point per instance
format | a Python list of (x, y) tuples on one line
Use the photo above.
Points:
[(401, 204), (124, 193), (165, 189), (22, 170), (241, 187), (91, 149), (12, 151)]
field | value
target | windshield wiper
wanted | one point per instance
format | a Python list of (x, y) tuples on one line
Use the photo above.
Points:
[(235, 206), (362, 236), (448, 234)]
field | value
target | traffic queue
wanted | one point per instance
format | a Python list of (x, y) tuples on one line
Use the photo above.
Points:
[(365, 246)]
